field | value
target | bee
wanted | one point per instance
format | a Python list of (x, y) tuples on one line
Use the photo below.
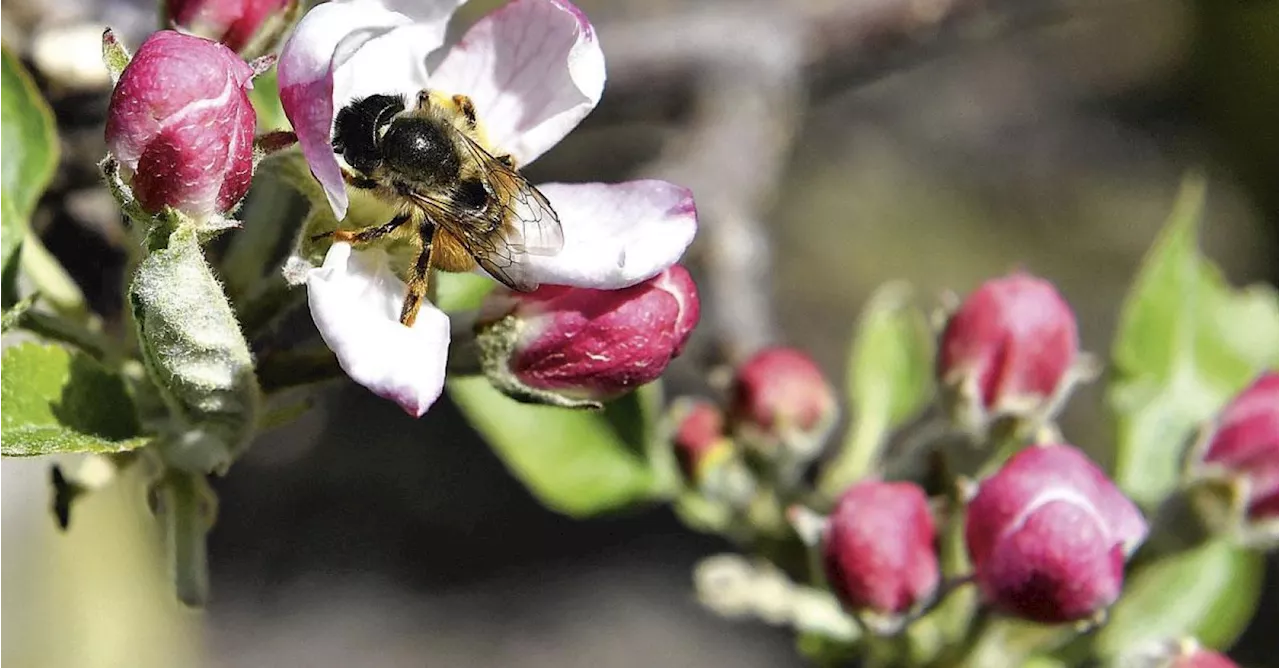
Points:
[(465, 205)]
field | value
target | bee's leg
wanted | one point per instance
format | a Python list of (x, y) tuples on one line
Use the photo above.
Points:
[(367, 234), (468, 109), (419, 273), (507, 160)]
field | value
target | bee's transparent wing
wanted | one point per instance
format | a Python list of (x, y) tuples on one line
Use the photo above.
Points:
[(501, 240), (532, 225)]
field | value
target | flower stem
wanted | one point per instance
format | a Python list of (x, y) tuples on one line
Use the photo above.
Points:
[(855, 460), (292, 368), (53, 282), (188, 508)]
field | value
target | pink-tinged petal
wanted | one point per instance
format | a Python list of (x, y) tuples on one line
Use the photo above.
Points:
[(342, 50), (616, 234), (355, 301), (534, 70)]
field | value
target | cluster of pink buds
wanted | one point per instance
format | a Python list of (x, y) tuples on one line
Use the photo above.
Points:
[(1048, 536), (1047, 533)]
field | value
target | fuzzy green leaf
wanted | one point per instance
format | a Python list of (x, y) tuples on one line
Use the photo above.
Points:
[(579, 463), (1208, 593), (28, 142), (1186, 343), (59, 402)]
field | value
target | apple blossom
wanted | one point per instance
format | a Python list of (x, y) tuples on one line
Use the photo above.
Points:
[(1245, 443), (698, 434), (181, 125), (1007, 351), (532, 69), (878, 548), (1049, 534), (780, 397), (235, 23), (587, 344)]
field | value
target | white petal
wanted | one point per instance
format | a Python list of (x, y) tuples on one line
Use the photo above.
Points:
[(616, 234), (346, 48), (534, 70), (355, 301)]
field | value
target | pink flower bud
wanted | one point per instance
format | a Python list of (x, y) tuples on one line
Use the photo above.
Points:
[(181, 125), (1049, 534), (1200, 657), (231, 22), (699, 435), (878, 548), (1008, 349), (778, 394), (1246, 443), (598, 344)]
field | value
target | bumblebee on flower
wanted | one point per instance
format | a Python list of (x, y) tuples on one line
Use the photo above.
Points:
[(444, 147)]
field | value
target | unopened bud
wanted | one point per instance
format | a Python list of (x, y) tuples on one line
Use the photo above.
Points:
[(699, 436), (879, 553), (1008, 351), (1246, 443), (235, 23), (780, 398), (579, 346), (1049, 535), (181, 125)]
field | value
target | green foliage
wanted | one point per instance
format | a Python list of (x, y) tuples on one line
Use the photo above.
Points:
[(58, 402), (195, 353), (1186, 343), (28, 143), (461, 292), (889, 379), (891, 361), (1208, 593), (265, 97), (579, 463), (12, 230)]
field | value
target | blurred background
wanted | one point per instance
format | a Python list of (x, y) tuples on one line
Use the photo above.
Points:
[(832, 145)]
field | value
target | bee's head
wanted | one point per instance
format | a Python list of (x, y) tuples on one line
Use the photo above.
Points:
[(359, 126), (421, 149)]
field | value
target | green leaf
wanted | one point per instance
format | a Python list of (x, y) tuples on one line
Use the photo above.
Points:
[(1186, 343), (12, 230), (58, 402), (579, 463), (265, 97), (1209, 593), (461, 292), (28, 142), (889, 379)]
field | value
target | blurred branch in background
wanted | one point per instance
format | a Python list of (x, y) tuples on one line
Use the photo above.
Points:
[(747, 71)]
